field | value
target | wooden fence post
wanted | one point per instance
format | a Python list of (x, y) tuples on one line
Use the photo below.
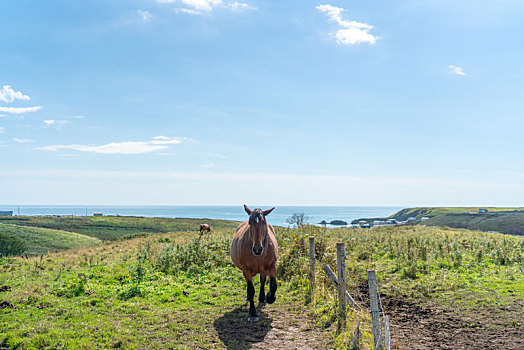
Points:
[(387, 336), (341, 274), (311, 265), (375, 311)]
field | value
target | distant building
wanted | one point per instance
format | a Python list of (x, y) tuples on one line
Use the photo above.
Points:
[(411, 219), (424, 218), (98, 213), (6, 213), (483, 210)]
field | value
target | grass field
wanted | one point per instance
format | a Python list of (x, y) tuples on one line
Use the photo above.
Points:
[(171, 290), (41, 240), (111, 228)]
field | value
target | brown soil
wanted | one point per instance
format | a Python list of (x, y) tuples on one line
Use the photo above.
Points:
[(421, 328), (429, 327)]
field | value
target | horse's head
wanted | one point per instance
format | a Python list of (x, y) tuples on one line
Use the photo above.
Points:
[(258, 228)]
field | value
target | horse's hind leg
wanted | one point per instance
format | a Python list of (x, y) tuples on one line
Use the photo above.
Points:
[(250, 298), (272, 294), (262, 294)]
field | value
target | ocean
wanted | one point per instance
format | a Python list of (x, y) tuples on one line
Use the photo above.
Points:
[(237, 213)]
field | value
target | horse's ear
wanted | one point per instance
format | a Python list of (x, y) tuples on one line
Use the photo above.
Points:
[(248, 211), (266, 212)]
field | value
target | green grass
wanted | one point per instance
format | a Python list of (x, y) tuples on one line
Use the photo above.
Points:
[(420, 212), (42, 240), (165, 291), (450, 267), (505, 223), (111, 228), (173, 291)]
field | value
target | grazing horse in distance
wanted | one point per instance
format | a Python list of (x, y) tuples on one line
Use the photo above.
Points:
[(204, 228), (255, 251)]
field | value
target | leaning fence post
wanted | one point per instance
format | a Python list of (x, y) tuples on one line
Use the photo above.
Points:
[(375, 312), (311, 264), (355, 341), (334, 280), (341, 274)]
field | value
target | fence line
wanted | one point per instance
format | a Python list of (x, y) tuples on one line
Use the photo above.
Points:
[(340, 283)]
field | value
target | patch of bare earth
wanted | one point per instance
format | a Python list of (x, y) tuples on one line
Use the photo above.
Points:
[(424, 328), (279, 327)]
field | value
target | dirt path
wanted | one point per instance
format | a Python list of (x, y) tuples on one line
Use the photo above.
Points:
[(279, 327)]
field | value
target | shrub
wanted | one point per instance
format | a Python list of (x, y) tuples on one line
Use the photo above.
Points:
[(11, 245)]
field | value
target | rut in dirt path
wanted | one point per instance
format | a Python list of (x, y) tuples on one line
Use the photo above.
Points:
[(278, 328)]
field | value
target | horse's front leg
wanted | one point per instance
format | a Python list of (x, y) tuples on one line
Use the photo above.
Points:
[(262, 294), (272, 294), (250, 298)]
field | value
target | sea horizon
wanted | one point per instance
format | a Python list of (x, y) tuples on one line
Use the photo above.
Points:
[(224, 212)]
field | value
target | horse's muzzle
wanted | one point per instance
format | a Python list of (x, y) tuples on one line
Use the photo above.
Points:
[(258, 251)]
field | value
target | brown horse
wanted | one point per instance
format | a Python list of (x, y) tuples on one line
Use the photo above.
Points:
[(204, 228), (255, 251)]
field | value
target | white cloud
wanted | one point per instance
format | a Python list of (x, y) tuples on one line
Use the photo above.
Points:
[(2, 130), (55, 123), (457, 70), (20, 110), (7, 94), (352, 32), (78, 117), (164, 140), (201, 7), (239, 6), (2, 115), (23, 140), (127, 147), (145, 15)]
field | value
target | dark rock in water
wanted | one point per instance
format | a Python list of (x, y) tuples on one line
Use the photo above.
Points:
[(323, 222), (338, 222)]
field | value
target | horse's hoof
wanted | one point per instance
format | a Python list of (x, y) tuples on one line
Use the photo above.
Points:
[(270, 298), (252, 318)]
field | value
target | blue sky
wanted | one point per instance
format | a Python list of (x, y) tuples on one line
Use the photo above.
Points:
[(272, 102)]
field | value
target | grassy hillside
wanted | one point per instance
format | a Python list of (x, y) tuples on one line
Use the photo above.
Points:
[(42, 240), (111, 228), (173, 291), (420, 212), (505, 223)]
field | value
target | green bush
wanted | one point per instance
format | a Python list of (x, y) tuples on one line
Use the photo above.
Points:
[(11, 245)]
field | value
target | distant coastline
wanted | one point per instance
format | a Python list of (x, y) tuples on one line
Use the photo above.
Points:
[(236, 213)]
